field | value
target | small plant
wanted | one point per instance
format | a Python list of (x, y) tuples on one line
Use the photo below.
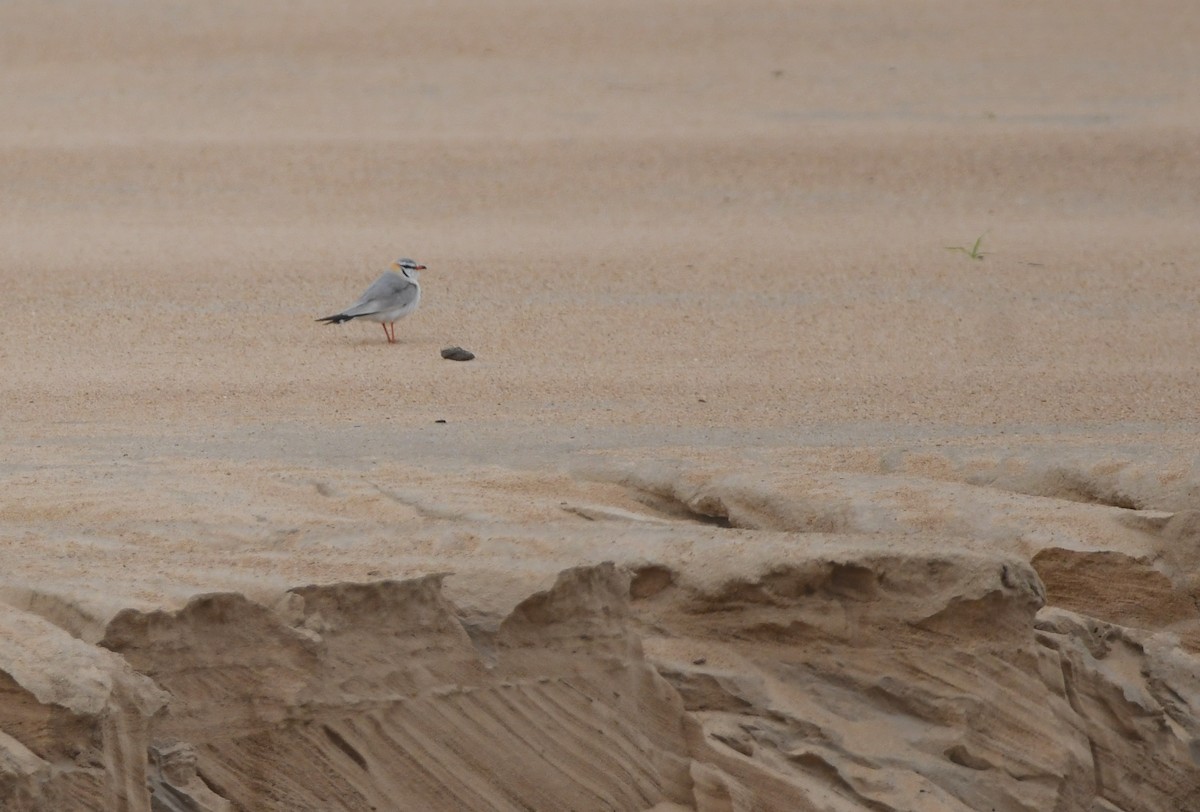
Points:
[(973, 252)]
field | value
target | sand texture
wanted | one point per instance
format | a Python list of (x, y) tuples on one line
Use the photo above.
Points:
[(755, 497)]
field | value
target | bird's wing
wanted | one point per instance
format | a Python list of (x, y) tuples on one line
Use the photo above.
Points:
[(388, 292)]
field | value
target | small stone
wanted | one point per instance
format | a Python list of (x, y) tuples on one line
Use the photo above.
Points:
[(457, 354), (439, 421), (699, 661)]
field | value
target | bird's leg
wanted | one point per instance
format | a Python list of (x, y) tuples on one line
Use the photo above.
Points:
[(392, 334), (383, 324)]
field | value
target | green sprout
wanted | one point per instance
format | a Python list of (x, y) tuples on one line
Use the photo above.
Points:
[(973, 252)]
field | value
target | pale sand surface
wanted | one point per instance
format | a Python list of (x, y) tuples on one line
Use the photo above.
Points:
[(699, 250)]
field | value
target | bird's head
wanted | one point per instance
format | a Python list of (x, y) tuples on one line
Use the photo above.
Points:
[(408, 267)]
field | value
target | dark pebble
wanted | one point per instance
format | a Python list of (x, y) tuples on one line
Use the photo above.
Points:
[(457, 354)]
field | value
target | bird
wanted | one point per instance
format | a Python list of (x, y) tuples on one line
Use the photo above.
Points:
[(391, 297)]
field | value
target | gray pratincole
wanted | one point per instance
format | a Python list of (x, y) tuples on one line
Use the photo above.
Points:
[(391, 297)]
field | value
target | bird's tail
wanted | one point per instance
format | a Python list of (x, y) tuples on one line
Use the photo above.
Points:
[(337, 319)]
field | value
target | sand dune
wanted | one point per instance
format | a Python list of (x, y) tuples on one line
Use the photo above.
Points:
[(755, 496), (617, 638)]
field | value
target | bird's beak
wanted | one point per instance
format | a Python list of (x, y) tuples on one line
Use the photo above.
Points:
[(396, 265)]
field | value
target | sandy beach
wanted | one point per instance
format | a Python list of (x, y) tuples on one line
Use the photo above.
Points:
[(761, 492)]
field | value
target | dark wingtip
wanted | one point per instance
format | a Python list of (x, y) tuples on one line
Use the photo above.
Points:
[(338, 319)]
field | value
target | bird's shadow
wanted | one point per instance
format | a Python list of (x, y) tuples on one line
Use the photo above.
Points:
[(369, 341)]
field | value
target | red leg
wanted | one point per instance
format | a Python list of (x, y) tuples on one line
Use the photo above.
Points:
[(385, 332), (392, 334)]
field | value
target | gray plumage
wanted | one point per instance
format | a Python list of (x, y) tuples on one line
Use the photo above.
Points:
[(389, 298)]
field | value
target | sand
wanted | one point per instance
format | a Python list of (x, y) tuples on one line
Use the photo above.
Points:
[(755, 497)]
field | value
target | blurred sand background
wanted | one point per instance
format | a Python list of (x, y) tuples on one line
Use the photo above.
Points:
[(687, 241)]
